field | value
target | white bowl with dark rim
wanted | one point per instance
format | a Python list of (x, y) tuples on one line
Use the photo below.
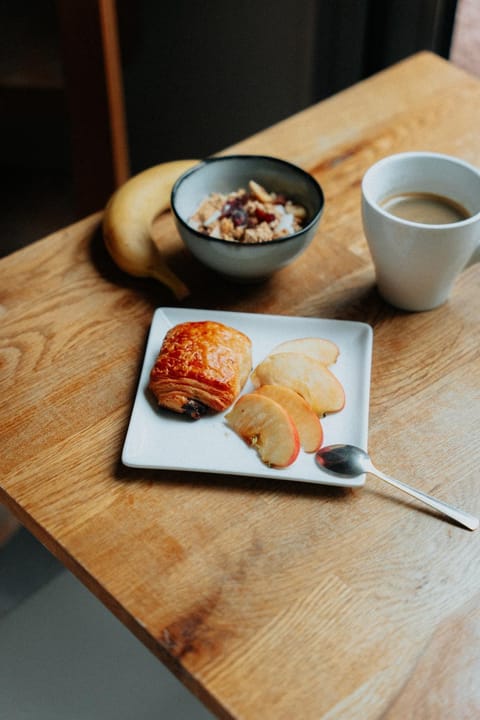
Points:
[(226, 174)]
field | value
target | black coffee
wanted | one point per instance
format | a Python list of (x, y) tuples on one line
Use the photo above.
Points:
[(425, 208)]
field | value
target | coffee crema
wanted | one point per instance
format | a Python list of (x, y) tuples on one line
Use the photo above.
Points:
[(425, 208)]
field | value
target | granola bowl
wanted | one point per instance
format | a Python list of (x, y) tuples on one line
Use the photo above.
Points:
[(246, 216)]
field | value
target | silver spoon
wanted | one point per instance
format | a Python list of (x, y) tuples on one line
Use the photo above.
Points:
[(350, 461)]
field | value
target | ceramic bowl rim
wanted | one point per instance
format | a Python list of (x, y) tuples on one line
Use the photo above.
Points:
[(277, 241)]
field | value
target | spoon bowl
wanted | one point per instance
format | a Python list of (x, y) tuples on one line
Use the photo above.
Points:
[(350, 461)]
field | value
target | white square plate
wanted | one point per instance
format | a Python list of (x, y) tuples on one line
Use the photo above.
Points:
[(159, 439)]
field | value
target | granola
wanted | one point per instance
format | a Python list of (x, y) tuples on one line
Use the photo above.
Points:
[(248, 216)]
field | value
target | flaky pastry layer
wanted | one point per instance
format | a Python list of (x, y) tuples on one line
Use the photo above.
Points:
[(201, 366)]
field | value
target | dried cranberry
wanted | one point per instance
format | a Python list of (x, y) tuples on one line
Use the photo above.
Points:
[(280, 199), (230, 206), (239, 217), (264, 216)]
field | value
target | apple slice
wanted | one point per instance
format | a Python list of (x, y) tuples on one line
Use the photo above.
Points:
[(305, 420), (310, 378), (267, 427), (325, 351)]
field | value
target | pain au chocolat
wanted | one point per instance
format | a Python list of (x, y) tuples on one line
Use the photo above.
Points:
[(201, 367)]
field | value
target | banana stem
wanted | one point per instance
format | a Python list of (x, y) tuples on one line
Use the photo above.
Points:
[(172, 281)]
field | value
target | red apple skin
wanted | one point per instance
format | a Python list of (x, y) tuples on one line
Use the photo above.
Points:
[(267, 427), (306, 421)]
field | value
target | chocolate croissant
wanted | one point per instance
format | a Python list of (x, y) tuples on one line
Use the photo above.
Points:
[(201, 367)]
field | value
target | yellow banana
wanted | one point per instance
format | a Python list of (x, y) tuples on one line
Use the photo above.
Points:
[(128, 218)]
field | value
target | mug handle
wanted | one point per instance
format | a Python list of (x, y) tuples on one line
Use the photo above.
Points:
[(474, 258)]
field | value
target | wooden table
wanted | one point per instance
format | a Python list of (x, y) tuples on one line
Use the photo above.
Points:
[(268, 600)]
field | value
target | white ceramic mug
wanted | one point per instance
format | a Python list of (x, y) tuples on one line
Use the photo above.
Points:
[(416, 264)]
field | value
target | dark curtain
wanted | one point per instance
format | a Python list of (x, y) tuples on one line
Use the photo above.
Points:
[(198, 77), (201, 76), (357, 38)]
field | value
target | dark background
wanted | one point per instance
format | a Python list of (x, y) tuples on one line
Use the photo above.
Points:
[(197, 77), (228, 69)]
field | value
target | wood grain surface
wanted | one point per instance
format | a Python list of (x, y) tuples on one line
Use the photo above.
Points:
[(268, 599)]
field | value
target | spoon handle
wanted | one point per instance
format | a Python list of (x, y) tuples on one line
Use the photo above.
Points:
[(464, 518)]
